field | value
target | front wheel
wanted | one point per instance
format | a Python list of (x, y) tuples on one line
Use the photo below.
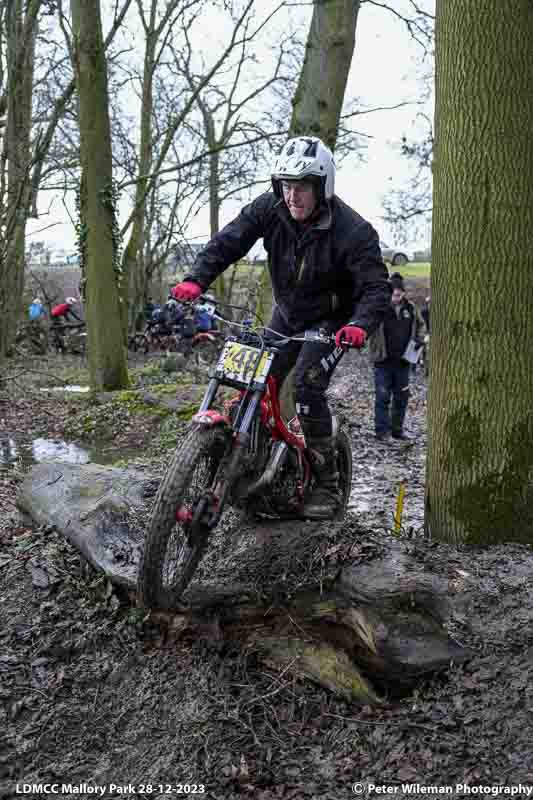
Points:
[(344, 468), (173, 548)]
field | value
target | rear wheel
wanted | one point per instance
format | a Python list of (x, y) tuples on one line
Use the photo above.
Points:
[(344, 467), (174, 548)]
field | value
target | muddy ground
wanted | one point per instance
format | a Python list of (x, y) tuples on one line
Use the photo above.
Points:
[(92, 694)]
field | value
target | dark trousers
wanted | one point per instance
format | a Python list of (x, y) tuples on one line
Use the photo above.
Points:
[(391, 379), (314, 365)]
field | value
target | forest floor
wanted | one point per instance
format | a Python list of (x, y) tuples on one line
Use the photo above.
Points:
[(90, 695)]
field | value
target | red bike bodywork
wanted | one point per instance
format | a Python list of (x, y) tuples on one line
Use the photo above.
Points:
[(271, 419), (211, 417)]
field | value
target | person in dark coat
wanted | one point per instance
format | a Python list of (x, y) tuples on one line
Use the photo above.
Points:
[(327, 272), (401, 328)]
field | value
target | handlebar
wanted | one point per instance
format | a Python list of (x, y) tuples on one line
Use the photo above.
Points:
[(319, 335)]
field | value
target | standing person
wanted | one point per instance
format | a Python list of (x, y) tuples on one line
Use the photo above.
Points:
[(424, 311), (148, 310), (401, 325), (327, 272), (36, 311)]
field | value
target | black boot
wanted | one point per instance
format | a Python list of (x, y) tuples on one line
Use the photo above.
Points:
[(397, 428), (324, 499)]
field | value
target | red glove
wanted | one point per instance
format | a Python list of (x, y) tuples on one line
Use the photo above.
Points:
[(187, 290), (350, 336)]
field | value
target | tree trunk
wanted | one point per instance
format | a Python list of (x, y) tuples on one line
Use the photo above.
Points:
[(480, 465), (107, 357), (133, 261), (318, 101), (20, 35), (219, 286), (317, 104)]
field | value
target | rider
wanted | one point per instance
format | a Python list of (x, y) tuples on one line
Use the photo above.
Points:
[(327, 272), (64, 312)]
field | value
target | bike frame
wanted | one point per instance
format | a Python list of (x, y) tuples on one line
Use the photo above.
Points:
[(257, 405)]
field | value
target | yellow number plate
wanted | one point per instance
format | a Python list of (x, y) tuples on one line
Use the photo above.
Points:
[(237, 364)]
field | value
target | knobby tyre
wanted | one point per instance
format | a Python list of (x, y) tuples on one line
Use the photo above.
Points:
[(172, 549), (344, 467)]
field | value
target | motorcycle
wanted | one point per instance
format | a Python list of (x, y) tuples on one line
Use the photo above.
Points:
[(252, 457)]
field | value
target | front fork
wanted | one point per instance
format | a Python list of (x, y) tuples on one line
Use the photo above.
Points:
[(208, 510)]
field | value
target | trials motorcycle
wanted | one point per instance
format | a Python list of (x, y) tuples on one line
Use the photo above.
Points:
[(252, 457)]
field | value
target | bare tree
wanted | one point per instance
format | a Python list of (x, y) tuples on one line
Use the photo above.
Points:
[(232, 116), (319, 98), (245, 31), (408, 209), (36, 86), (107, 360), (20, 26)]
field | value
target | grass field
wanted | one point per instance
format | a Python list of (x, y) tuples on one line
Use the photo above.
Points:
[(412, 270)]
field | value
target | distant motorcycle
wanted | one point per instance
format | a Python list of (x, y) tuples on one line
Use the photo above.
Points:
[(200, 348)]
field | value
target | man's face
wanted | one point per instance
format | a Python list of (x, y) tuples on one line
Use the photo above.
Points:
[(300, 198), (397, 296)]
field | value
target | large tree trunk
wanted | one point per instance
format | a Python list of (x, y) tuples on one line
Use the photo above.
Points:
[(317, 104), (21, 29), (480, 466), (133, 261), (107, 358)]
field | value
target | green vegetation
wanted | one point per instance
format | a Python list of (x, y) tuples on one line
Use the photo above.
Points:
[(412, 270)]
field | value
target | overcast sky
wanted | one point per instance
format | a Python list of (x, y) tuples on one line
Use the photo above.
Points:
[(385, 71)]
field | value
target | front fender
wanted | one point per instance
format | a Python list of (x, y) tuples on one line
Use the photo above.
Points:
[(211, 418)]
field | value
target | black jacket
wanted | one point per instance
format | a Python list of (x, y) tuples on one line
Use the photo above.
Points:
[(413, 329), (331, 270)]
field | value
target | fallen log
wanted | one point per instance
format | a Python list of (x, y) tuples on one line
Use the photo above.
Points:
[(359, 614)]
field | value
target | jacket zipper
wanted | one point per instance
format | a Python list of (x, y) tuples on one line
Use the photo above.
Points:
[(301, 270)]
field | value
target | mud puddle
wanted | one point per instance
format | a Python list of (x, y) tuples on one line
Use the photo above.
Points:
[(17, 452)]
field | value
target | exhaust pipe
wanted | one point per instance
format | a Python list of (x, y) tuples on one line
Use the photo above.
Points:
[(275, 462)]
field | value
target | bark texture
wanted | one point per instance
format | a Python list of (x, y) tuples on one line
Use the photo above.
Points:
[(318, 101), (16, 162), (480, 465), (107, 357), (133, 261)]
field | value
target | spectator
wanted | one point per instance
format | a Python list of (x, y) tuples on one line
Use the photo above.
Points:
[(149, 307), (174, 313), (36, 310), (424, 311), (401, 326)]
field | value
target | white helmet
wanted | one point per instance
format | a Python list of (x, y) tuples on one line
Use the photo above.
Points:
[(70, 301), (304, 157)]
